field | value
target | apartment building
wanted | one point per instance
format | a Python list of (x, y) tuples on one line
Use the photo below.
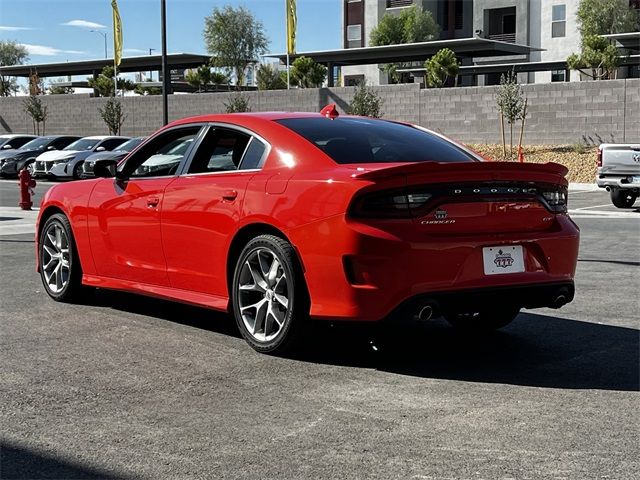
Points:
[(548, 25)]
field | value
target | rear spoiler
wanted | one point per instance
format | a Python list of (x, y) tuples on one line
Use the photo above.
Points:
[(450, 171)]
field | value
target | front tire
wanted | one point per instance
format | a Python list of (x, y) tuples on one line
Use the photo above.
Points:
[(59, 263), (485, 320), (269, 296), (77, 171), (623, 199)]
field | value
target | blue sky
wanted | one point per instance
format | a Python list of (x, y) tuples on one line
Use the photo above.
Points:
[(59, 30)]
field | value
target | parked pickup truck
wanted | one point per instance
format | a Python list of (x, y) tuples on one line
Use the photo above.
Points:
[(619, 172)]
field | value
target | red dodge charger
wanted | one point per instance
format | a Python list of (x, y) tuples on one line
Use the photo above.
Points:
[(279, 217)]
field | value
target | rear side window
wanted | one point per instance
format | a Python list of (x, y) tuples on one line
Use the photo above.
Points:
[(253, 156), (361, 140)]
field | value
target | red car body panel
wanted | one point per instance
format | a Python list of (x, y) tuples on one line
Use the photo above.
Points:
[(171, 236)]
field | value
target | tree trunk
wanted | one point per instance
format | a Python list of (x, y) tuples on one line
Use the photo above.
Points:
[(524, 116), (510, 141)]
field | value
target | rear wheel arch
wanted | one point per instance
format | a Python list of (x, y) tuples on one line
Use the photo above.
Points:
[(244, 236)]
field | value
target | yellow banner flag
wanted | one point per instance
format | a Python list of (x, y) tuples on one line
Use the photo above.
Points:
[(292, 21), (117, 33)]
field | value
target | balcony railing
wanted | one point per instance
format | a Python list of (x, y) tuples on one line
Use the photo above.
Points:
[(504, 37), (399, 3)]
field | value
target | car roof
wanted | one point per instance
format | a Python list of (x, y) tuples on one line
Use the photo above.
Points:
[(238, 117), (14, 135)]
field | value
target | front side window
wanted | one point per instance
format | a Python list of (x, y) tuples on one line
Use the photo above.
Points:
[(62, 142), (558, 20), (112, 143), (18, 142), (362, 140), (162, 155)]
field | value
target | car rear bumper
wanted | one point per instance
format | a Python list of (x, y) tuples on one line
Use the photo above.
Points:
[(356, 271), (622, 182), (551, 295)]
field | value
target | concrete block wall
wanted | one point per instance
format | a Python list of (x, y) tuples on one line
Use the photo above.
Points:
[(559, 113)]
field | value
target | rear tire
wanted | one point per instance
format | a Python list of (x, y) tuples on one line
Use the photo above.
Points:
[(623, 199), (269, 296), (58, 259), (486, 320)]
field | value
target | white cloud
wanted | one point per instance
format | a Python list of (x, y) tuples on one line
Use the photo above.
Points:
[(7, 28), (48, 51), (83, 24)]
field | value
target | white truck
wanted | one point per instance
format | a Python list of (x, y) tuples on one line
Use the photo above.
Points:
[(619, 172)]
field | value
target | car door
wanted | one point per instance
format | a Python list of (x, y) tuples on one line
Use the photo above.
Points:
[(201, 208), (124, 214)]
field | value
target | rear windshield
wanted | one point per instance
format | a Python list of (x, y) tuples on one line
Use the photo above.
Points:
[(361, 140)]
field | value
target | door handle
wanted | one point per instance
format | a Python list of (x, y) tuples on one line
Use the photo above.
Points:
[(230, 195), (152, 202)]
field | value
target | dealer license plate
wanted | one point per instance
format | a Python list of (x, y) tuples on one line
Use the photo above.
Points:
[(503, 259)]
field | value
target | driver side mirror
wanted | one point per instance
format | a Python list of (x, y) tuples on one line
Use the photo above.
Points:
[(7, 147), (51, 147), (100, 149), (105, 168)]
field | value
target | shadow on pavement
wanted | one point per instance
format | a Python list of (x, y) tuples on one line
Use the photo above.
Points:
[(535, 350), (21, 463)]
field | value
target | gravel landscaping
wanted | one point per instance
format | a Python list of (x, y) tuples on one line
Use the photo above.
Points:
[(580, 160)]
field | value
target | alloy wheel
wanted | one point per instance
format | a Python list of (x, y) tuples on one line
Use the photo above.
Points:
[(264, 295), (56, 266)]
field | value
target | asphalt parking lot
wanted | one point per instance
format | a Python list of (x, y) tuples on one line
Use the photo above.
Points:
[(130, 387)]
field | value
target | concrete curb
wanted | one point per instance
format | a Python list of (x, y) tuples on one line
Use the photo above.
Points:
[(584, 187)]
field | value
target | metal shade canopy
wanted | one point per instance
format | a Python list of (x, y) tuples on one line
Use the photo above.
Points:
[(410, 52), (88, 67)]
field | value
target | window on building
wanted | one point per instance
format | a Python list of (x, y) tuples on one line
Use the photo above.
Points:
[(558, 75), (558, 21), (500, 24), (354, 33)]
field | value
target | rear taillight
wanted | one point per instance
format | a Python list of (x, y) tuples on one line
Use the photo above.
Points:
[(395, 204), (415, 202), (556, 198), (599, 157)]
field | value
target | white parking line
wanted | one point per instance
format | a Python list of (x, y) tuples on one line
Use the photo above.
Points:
[(579, 213), (593, 206)]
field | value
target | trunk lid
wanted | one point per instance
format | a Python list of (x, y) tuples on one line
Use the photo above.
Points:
[(475, 197)]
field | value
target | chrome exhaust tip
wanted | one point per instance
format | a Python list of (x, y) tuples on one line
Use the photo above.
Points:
[(425, 313), (560, 301)]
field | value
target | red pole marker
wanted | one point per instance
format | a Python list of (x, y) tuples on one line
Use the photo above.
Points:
[(26, 185), (520, 154)]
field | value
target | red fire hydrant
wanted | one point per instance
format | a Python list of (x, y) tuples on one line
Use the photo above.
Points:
[(27, 184)]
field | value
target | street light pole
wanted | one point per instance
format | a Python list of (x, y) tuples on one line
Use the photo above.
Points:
[(105, 40), (166, 74)]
